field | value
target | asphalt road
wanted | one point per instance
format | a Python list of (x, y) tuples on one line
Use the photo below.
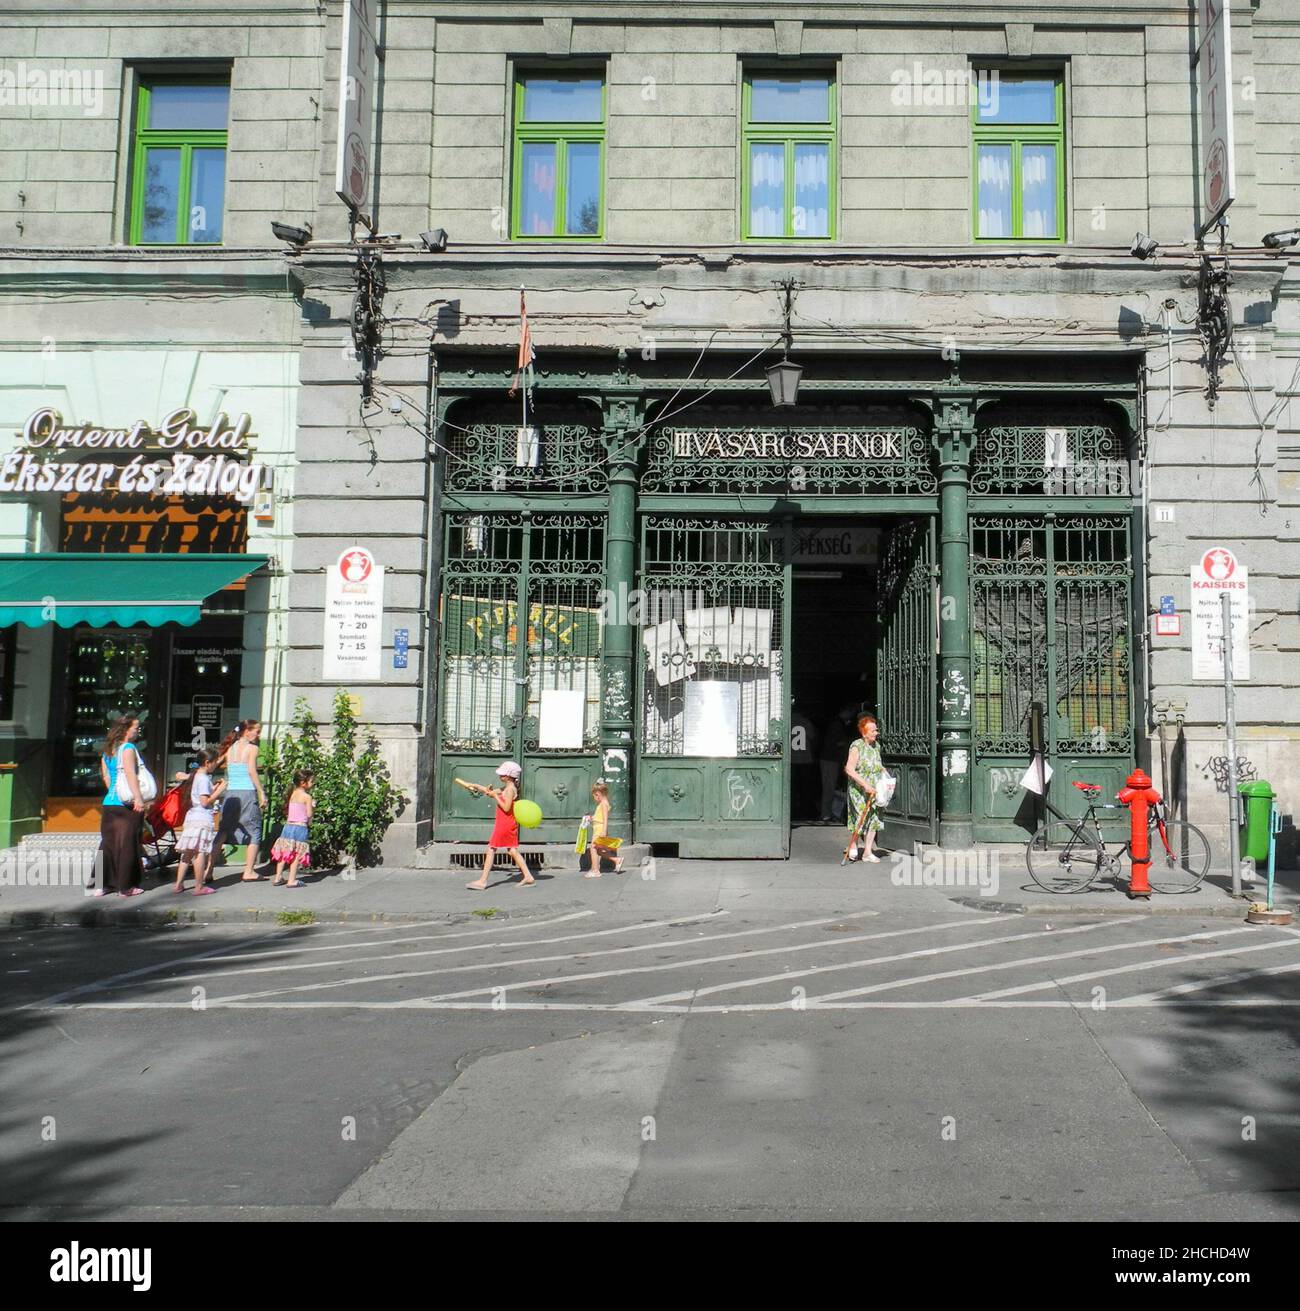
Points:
[(881, 1064)]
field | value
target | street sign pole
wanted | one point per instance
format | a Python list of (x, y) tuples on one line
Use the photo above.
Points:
[(1230, 702)]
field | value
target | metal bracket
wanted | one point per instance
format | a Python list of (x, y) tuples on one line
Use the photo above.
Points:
[(1214, 313)]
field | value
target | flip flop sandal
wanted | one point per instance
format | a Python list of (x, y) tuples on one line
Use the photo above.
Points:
[(133, 892), (203, 892)]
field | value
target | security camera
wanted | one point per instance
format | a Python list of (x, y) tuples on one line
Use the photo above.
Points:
[(394, 405), (1277, 240), (294, 236), (435, 241), (1143, 247)]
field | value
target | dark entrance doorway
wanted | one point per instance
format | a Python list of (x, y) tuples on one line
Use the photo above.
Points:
[(863, 637), (834, 634)]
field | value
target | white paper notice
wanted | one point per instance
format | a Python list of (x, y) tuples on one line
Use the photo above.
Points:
[(751, 634), (709, 628), (712, 715), (559, 725), (354, 619), (1037, 776), (667, 653)]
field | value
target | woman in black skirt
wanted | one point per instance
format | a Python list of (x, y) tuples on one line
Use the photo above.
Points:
[(119, 823)]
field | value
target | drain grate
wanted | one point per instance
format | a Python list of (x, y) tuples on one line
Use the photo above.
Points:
[(535, 860)]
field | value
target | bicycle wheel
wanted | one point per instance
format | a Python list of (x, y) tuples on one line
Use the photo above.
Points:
[(1185, 864), (1063, 859)]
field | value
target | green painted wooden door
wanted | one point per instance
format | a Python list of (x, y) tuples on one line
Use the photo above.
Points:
[(519, 650), (905, 669), (712, 743)]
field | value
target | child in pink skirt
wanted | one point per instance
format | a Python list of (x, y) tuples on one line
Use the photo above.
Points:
[(292, 846)]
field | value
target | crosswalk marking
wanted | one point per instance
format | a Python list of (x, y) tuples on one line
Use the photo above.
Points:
[(597, 968), (1128, 969), (579, 955), (733, 984)]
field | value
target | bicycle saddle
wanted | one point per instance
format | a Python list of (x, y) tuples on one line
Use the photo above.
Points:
[(1091, 788)]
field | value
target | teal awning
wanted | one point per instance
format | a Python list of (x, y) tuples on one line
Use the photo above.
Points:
[(75, 588)]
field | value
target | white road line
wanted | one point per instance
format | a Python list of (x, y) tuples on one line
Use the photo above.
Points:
[(226, 950), (568, 956), (372, 930), (398, 955), (912, 979), (730, 986), (1220, 981), (437, 951), (746, 1008), (1128, 969), (720, 960)]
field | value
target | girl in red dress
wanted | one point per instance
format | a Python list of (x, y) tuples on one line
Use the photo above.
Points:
[(505, 832)]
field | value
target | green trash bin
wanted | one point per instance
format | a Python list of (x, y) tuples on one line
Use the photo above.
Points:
[(1257, 801)]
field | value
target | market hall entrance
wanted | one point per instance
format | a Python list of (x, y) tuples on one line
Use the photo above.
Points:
[(863, 637), (743, 622)]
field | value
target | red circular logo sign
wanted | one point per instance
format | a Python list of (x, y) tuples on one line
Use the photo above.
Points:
[(1218, 564), (355, 566)]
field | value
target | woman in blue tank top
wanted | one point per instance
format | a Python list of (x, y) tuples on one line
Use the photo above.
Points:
[(241, 815)]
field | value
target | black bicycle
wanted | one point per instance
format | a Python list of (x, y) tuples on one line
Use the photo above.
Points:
[(1067, 855)]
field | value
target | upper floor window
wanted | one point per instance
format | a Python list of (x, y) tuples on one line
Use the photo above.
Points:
[(1018, 125), (559, 156), (789, 156), (179, 181)]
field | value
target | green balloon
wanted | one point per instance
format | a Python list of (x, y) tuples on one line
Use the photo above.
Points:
[(528, 813)]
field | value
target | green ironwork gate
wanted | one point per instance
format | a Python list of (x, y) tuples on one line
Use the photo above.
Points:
[(905, 664), (713, 746), (520, 647), (1050, 623)]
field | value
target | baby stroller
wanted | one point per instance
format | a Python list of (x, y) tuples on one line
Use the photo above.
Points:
[(158, 834)]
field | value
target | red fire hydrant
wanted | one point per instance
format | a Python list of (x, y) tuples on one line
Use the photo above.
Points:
[(1139, 796)]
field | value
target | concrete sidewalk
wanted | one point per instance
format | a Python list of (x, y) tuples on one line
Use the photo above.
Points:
[(995, 880)]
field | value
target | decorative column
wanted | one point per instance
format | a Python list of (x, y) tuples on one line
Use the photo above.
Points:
[(622, 438), (954, 440)]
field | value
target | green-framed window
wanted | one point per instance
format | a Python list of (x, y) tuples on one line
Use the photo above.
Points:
[(558, 181), (1018, 158), (789, 166), (178, 189)]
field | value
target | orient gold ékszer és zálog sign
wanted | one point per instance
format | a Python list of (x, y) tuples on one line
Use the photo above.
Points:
[(197, 459)]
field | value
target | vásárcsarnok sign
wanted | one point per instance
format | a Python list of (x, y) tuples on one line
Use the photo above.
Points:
[(180, 436)]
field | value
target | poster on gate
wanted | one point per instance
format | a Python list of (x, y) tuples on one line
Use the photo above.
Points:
[(1216, 572), (354, 618)]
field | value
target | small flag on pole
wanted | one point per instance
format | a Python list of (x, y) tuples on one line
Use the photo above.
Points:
[(524, 369)]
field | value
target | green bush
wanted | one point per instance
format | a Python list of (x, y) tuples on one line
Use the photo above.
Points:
[(356, 800)]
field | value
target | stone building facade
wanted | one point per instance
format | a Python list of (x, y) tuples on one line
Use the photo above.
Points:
[(1003, 454)]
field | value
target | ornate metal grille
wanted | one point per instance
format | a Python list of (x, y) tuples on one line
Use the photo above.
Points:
[(1050, 622), (1048, 459), (803, 461), (520, 619), (907, 641), (500, 457), (713, 592)]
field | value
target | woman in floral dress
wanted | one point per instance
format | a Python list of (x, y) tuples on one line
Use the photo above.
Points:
[(864, 768)]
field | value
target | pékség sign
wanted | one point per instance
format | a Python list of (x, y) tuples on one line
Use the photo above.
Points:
[(202, 459)]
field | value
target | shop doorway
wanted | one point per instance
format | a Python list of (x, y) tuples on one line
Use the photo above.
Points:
[(863, 637)]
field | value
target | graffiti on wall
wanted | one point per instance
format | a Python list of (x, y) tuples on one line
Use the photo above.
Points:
[(1216, 769)]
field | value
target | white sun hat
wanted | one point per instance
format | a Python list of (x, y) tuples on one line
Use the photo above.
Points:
[(509, 769)]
